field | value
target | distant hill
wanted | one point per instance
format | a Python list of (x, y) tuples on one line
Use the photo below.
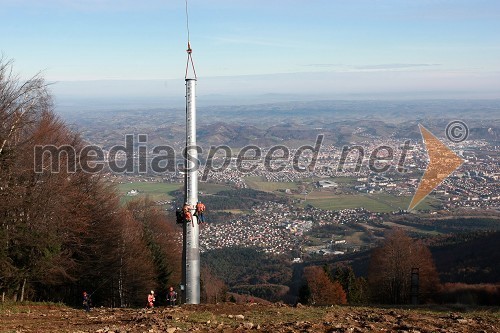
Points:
[(289, 123)]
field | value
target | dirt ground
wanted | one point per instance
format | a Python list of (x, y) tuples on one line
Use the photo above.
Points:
[(249, 317)]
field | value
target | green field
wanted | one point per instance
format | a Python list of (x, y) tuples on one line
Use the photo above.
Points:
[(153, 190), (209, 188), (412, 228), (235, 211), (355, 238), (325, 199), (380, 202), (343, 180), (258, 183), (372, 202), (158, 191)]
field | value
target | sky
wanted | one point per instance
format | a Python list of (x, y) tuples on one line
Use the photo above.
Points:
[(324, 48)]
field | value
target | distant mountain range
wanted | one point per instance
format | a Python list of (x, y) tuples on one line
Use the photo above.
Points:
[(291, 123)]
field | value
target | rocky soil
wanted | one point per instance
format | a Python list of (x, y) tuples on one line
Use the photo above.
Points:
[(247, 318)]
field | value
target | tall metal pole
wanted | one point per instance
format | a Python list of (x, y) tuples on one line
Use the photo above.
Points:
[(191, 249)]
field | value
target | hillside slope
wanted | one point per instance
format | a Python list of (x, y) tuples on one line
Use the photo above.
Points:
[(230, 317)]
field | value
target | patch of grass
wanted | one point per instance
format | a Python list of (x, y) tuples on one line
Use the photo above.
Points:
[(149, 187), (259, 316), (201, 317), (412, 228), (154, 190), (259, 183), (210, 188), (380, 202), (26, 306), (344, 180), (235, 211), (204, 316), (286, 314), (314, 241), (355, 238), (330, 201), (468, 311)]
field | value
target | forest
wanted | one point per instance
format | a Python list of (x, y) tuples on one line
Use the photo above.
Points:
[(62, 233)]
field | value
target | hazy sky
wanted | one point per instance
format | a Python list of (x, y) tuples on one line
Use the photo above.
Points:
[(334, 46)]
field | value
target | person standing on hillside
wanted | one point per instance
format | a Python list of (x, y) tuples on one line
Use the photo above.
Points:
[(151, 300), (86, 301), (171, 296)]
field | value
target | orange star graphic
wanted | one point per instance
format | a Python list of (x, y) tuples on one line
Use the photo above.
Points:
[(442, 162)]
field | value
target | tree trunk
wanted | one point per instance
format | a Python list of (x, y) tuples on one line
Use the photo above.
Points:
[(120, 285), (22, 290)]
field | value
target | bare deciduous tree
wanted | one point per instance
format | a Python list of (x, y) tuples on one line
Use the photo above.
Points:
[(391, 266), (64, 231), (213, 288), (320, 289)]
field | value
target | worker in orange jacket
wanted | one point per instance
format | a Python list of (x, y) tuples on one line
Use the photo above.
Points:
[(187, 214), (200, 209)]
